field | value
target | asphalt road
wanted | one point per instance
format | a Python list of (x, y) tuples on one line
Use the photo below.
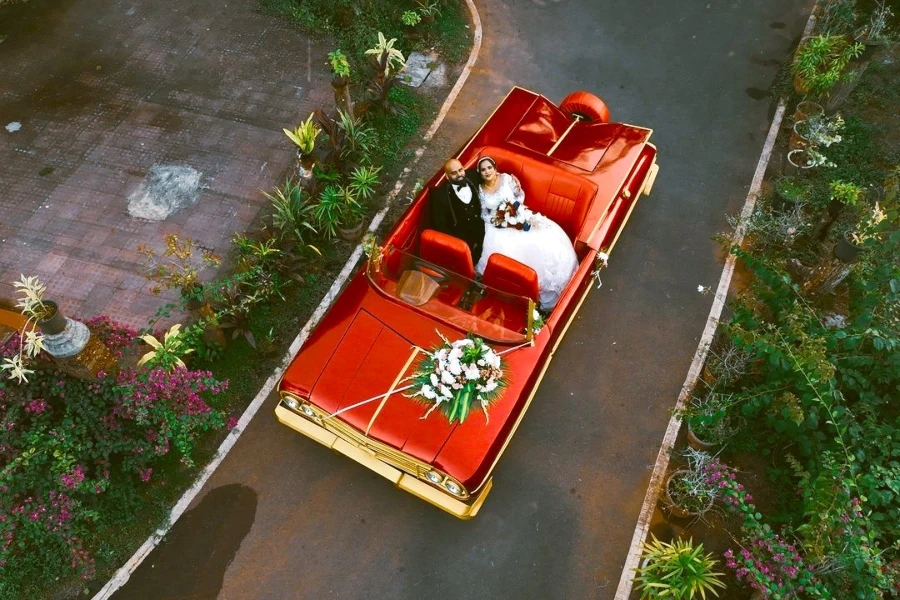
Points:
[(286, 518)]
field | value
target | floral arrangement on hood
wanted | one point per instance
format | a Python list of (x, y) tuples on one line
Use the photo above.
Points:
[(457, 375)]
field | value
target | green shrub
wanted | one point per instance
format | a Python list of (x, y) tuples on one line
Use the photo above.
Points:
[(66, 442)]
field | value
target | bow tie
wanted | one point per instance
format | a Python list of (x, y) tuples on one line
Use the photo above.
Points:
[(459, 186)]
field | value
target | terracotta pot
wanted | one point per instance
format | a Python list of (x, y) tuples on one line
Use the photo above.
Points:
[(807, 109), (797, 162), (55, 323), (695, 442), (798, 140), (846, 251), (674, 509), (800, 85), (351, 234), (428, 19)]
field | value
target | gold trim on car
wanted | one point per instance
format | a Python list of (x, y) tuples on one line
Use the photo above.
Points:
[(384, 400), (402, 470)]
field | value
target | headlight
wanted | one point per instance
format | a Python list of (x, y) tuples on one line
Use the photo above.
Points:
[(434, 478), (309, 412), (291, 403), (453, 487)]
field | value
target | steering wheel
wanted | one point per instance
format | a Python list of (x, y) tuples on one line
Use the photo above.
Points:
[(440, 275)]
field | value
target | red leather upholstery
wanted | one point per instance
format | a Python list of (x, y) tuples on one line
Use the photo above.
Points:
[(510, 276), (551, 191), (447, 251)]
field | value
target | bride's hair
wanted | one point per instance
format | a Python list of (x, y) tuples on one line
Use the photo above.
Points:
[(486, 158)]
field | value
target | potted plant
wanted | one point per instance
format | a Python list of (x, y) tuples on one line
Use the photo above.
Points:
[(806, 109), (428, 10), (852, 243), (821, 62), (678, 570), (340, 81), (338, 213), (410, 19), (39, 314), (386, 62), (688, 493), (791, 189), (841, 194), (817, 131), (801, 160), (708, 421), (304, 137)]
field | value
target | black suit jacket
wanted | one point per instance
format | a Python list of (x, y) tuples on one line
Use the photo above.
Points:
[(448, 214)]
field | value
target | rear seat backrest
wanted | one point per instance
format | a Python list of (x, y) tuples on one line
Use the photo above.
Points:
[(549, 190)]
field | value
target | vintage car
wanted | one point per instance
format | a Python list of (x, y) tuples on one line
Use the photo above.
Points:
[(420, 287)]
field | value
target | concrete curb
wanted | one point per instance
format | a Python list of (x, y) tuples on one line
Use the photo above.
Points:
[(623, 591), (124, 572)]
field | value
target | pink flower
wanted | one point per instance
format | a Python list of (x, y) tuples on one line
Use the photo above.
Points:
[(145, 475), (36, 407), (232, 423)]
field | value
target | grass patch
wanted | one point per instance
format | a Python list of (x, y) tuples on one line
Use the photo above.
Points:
[(394, 131), (354, 25)]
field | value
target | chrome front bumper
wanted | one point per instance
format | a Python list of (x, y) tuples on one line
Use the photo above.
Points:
[(368, 458)]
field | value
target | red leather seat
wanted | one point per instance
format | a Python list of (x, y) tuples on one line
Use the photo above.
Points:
[(549, 190), (510, 276), (447, 251)]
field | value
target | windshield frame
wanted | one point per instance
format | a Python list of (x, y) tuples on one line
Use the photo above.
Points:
[(453, 315)]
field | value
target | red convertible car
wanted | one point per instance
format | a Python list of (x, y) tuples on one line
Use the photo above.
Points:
[(420, 288)]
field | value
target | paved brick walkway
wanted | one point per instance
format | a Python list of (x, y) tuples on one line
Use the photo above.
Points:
[(105, 89)]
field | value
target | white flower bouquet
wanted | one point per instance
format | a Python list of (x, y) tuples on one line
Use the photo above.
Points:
[(458, 374), (512, 214)]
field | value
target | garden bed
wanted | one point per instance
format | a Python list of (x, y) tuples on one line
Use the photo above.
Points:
[(798, 396), (268, 287)]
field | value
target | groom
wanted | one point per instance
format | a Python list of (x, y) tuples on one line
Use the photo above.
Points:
[(454, 207)]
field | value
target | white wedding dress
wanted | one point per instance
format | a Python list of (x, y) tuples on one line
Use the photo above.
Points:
[(545, 247)]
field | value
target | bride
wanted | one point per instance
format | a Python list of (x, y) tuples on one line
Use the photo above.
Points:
[(543, 246)]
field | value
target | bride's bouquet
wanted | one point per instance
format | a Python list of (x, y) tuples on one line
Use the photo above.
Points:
[(512, 214)]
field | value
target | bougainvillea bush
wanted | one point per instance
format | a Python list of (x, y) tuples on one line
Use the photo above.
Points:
[(66, 444)]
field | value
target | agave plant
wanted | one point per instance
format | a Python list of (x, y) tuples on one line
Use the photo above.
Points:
[(363, 182), (677, 570), (292, 213), (358, 138), (335, 208)]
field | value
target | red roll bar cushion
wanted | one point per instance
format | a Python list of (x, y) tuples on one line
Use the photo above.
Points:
[(510, 276), (446, 251)]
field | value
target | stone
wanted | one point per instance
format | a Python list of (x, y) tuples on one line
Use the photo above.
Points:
[(424, 70), (166, 190)]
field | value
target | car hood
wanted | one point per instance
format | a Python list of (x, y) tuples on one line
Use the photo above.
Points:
[(371, 360)]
